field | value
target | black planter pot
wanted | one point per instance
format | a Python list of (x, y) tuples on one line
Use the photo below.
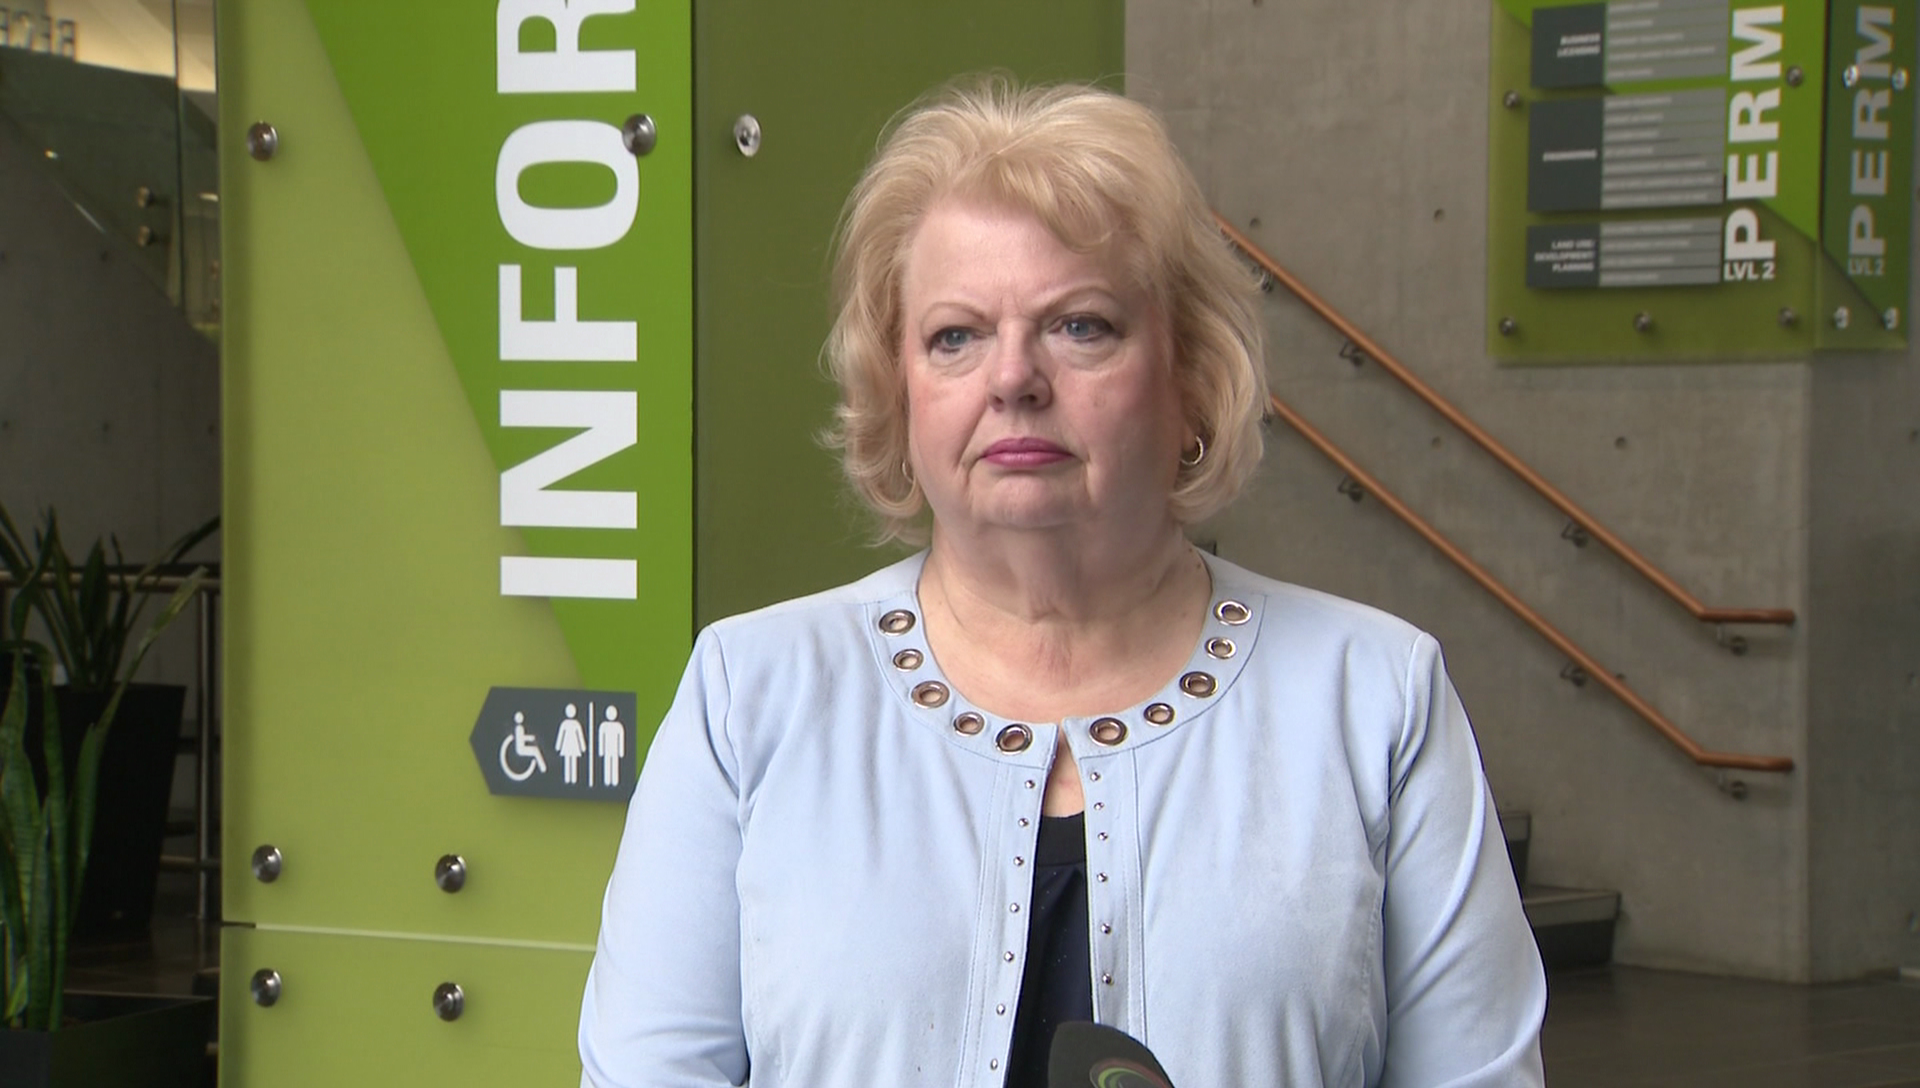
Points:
[(115, 1041), (130, 808), (130, 814)]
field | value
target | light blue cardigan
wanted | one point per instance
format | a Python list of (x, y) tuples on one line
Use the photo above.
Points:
[(1298, 880)]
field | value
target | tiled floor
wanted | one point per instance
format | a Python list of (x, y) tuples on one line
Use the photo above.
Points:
[(1620, 1027), (1627, 1026)]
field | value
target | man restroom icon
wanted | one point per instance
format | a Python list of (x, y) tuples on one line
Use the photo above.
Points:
[(613, 746)]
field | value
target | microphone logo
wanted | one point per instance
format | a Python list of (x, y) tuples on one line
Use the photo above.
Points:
[(1121, 1073)]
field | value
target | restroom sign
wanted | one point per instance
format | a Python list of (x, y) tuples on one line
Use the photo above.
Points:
[(557, 743)]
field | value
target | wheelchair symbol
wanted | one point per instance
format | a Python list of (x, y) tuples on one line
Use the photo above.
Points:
[(525, 746)]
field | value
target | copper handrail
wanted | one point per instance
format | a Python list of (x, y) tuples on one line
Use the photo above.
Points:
[(1619, 689), (158, 583), (1500, 453)]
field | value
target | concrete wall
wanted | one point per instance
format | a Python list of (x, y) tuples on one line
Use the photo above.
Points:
[(1863, 631), (1350, 142), (109, 401)]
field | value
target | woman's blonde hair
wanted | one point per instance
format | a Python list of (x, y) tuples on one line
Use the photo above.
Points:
[(1102, 174)]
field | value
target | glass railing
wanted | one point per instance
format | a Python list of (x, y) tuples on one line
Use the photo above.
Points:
[(120, 99)]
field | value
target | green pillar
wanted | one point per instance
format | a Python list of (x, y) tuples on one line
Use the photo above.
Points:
[(509, 410)]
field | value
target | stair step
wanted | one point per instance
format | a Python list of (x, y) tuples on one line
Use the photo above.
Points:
[(1573, 926), (1550, 906)]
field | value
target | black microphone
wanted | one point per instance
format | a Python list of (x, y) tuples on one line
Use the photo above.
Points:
[(1090, 1056)]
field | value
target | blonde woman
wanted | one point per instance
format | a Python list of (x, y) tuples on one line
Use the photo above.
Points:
[(1059, 765)]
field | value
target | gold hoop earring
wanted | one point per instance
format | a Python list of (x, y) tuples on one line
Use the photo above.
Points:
[(1199, 454)]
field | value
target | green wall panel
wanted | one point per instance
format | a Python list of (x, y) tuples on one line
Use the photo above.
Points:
[(363, 375), (359, 1012), (436, 127), (774, 519), (364, 625)]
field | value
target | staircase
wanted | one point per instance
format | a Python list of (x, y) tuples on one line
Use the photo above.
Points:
[(1572, 926), (136, 154)]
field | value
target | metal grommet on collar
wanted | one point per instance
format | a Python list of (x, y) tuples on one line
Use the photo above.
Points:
[(1158, 714), (968, 723), (930, 694), (897, 622), (1108, 731), (1014, 738), (1220, 648), (909, 660), (1232, 613), (1197, 684)]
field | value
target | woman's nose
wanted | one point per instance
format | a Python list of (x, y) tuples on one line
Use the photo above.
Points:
[(1017, 376)]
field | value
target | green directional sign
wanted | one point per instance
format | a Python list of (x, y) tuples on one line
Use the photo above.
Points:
[(1864, 293), (1698, 179), (558, 266)]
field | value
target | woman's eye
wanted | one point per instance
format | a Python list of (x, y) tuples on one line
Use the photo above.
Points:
[(951, 339), (1085, 327)]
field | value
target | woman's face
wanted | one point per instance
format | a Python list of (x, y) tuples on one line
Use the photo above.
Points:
[(1040, 391)]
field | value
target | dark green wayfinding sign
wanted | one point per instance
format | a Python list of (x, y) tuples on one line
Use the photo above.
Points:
[(1699, 179)]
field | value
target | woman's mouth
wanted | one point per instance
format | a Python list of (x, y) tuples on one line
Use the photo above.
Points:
[(1024, 453)]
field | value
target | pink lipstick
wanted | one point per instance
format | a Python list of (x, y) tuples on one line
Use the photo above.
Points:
[(1024, 453)]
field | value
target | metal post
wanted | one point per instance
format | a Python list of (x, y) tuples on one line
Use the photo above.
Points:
[(205, 706)]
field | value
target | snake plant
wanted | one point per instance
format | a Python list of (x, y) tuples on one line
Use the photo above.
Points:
[(90, 611), (46, 820)]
